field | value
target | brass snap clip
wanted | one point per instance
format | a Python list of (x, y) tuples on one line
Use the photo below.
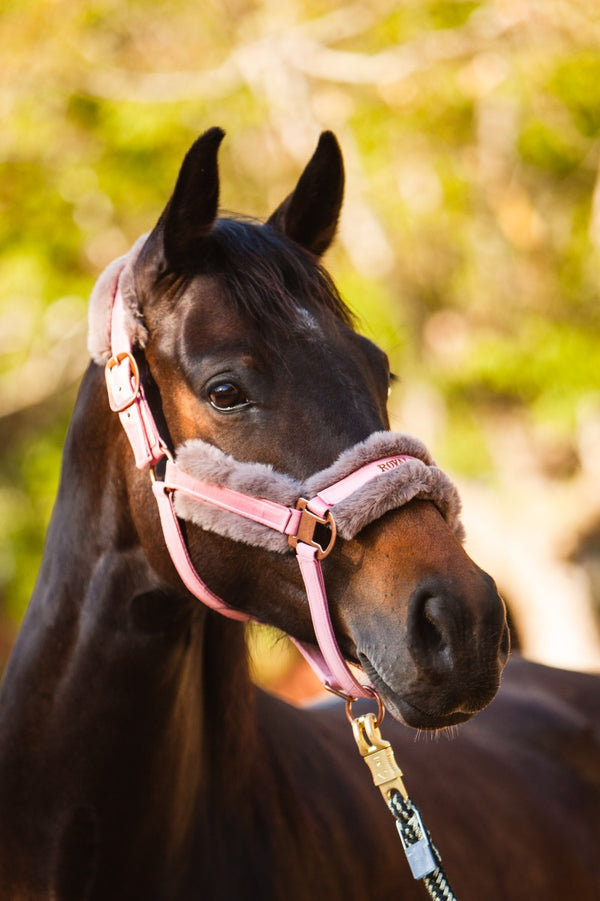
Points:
[(309, 523), (377, 753)]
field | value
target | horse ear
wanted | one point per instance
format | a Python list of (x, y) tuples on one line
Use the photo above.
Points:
[(310, 214), (190, 213)]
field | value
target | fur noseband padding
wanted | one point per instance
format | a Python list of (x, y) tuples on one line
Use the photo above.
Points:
[(101, 304), (418, 478)]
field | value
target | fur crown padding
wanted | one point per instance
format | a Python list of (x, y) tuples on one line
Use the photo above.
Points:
[(119, 272)]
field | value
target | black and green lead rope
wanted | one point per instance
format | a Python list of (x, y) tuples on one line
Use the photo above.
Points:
[(414, 835)]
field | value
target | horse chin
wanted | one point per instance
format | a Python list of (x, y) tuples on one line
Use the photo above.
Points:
[(407, 712), (412, 716)]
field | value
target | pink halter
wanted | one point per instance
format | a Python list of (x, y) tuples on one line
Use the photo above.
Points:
[(126, 397)]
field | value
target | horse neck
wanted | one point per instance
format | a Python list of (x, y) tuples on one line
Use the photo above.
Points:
[(110, 649)]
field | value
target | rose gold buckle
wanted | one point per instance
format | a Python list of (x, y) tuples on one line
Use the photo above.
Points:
[(120, 406), (307, 527)]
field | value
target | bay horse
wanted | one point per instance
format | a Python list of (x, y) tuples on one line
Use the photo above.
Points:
[(137, 759)]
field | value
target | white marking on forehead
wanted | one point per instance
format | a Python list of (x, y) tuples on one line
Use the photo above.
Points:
[(308, 324)]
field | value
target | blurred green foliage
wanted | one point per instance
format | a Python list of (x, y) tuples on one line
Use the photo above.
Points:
[(470, 241)]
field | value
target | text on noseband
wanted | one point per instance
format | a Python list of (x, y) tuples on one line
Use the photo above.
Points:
[(391, 464)]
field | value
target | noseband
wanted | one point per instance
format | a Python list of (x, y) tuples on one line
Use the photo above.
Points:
[(252, 503)]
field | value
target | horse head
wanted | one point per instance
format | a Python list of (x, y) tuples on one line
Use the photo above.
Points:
[(245, 347)]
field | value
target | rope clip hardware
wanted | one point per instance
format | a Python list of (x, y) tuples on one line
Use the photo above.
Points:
[(378, 754), (422, 857)]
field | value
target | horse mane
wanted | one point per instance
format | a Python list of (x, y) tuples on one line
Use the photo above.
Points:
[(270, 279)]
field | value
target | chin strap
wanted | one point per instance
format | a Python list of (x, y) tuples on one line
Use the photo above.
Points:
[(301, 524)]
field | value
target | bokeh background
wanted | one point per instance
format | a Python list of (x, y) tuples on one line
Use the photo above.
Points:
[(469, 245)]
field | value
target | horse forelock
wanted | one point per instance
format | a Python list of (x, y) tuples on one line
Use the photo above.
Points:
[(272, 281)]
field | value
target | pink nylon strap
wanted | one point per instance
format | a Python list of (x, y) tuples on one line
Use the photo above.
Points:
[(327, 661), (126, 393), (339, 491), (181, 559), (267, 513)]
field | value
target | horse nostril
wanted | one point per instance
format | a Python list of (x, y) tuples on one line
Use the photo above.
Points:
[(432, 629), (449, 633), (432, 626)]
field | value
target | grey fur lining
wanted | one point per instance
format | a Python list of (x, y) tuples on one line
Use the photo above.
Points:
[(418, 478), (101, 302)]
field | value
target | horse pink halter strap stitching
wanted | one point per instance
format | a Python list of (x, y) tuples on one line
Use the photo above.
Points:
[(126, 397)]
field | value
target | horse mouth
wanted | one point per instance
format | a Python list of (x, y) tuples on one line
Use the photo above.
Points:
[(405, 710)]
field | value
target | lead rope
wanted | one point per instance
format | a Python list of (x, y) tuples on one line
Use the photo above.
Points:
[(423, 857)]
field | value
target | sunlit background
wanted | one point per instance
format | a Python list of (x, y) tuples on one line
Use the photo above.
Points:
[(469, 245)]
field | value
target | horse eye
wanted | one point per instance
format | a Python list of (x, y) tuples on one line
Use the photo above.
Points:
[(227, 396)]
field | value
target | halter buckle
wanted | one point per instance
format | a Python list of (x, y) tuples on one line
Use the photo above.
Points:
[(309, 522), (122, 389)]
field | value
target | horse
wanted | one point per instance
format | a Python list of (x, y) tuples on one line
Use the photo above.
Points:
[(137, 758)]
